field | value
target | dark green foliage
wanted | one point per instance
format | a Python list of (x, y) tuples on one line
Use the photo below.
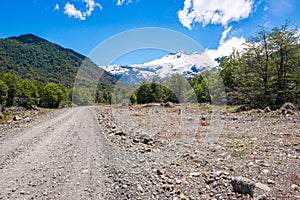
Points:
[(12, 81), (53, 96), (3, 93), (144, 94), (267, 72), (41, 62), (34, 58), (27, 94), (133, 99), (172, 90), (200, 88)]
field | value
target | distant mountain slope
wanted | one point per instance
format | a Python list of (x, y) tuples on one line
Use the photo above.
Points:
[(35, 58), (187, 65)]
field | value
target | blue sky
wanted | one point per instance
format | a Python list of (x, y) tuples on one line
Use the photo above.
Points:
[(81, 25)]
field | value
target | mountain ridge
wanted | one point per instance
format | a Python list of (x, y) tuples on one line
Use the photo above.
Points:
[(163, 67), (30, 56)]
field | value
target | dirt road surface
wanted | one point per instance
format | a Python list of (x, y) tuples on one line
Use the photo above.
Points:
[(50, 160)]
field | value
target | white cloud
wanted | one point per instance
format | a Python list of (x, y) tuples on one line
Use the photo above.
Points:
[(56, 7), (71, 11), (227, 48), (224, 34), (214, 11), (90, 5), (121, 2)]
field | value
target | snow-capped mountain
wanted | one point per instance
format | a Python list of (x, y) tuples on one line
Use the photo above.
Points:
[(187, 65)]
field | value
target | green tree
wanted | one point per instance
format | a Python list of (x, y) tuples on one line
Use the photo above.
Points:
[(12, 81), (27, 94), (3, 94), (133, 99), (52, 96), (285, 46), (179, 86), (266, 73), (144, 94), (83, 97)]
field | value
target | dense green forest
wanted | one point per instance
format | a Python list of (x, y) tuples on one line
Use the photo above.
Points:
[(31, 57), (34, 71)]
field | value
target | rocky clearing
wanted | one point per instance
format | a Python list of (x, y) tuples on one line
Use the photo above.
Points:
[(151, 152)]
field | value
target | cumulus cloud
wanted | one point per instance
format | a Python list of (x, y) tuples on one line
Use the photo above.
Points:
[(71, 11), (226, 48), (214, 12)]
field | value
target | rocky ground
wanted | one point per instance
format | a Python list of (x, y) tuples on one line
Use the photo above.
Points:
[(18, 118), (175, 153), (151, 152)]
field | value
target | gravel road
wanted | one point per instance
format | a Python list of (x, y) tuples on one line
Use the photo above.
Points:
[(50, 160)]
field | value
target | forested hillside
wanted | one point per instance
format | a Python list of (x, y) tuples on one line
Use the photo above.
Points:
[(32, 57), (34, 71)]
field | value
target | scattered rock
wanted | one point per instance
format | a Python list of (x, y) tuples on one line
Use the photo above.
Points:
[(169, 104), (265, 171), (261, 197), (288, 106), (27, 119), (143, 138), (159, 172), (295, 187), (119, 132), (243, 185), (209, 180), (262, 187), (195, 174), (17, 118), (267, 110), (271, 182)]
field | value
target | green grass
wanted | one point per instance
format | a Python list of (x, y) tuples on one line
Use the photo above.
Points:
[(238, 153)]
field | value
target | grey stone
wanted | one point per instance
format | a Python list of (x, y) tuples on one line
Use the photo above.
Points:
[(243, 185), (17, 118), (288, 106), (169, 104), (261, 197), (267, 110)]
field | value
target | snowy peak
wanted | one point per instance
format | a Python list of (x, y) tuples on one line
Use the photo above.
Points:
[(180, 62)]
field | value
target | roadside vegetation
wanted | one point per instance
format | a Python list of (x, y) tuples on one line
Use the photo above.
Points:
[(15, 91)]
